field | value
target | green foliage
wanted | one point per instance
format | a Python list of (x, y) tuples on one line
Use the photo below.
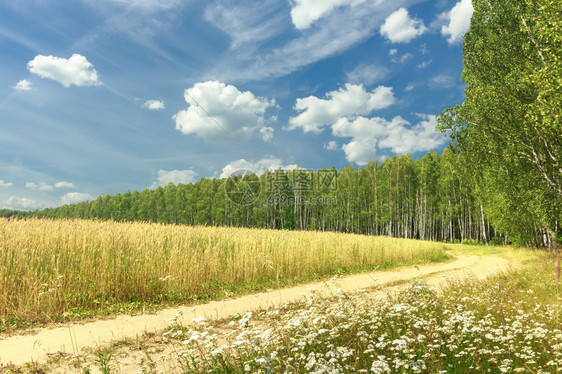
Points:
[(508, 129), (104, 361)]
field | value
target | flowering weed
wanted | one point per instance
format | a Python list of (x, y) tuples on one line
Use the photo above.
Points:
[(509, 323)]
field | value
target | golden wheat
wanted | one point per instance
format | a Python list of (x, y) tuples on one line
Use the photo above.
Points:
[(50, 269)]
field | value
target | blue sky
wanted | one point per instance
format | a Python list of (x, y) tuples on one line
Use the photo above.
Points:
[(103, 96)]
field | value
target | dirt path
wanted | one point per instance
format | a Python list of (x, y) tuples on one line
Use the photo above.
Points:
[(73, 338)]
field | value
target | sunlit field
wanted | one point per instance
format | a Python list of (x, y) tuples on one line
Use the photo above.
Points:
[(55, 270)]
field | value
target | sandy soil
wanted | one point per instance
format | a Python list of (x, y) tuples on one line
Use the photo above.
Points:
[(75, 338)]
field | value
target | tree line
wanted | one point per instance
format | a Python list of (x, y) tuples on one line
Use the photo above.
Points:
[(429, 198)]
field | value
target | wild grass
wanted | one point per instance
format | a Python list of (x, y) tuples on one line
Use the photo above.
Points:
[(509, 323), (55, 270)]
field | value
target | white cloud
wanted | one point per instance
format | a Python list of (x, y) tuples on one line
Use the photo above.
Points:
[(410, 87), (269, 163), (365, 128), (336, 31), (424, 64), (367, 74), (352, 99), (139, 21), (174, 176), (217, 111), (147, 5), (400, 28), (76, 70), (42, 186), (370, 137), (14, 202), (64, 185), (305, 12), (331, 145), (74, 197), (247, 23), (361, 151), (423, 136), (267, 133), (442, 80), (153, 104), (23, 85), (393, 52), (5, 184), (402, 60), (458, 19)]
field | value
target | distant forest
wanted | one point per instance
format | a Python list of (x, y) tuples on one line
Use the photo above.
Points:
[(430, 198)]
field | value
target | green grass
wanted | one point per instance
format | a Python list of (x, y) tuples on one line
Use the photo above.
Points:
[(476, 250)]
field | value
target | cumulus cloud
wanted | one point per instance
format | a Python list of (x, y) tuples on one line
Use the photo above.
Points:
[(5, 184), (14, 202), (217, 111), (76, 70), (64, 185), (457, 21), (361, 151), (23, 85), (269, 163), (305, 12), (267, 133), (367, 74), (331, 145), (423, 136), (74, 197), (153, 104), (42, 186), (175, 177), (316, 113), (371, 138), (400, 28)]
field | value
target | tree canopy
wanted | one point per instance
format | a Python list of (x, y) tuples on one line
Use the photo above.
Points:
[(429, 198), (508, 128)]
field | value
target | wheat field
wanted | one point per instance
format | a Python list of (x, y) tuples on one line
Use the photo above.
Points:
[(53, 270)]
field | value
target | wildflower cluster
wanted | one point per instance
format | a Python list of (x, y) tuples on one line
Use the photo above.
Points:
[(476, 326)]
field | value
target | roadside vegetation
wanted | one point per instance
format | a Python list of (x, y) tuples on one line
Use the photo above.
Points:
[(59, 270), (507, 323)]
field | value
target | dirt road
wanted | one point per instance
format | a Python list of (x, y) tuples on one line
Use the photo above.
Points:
[(72, 338)]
